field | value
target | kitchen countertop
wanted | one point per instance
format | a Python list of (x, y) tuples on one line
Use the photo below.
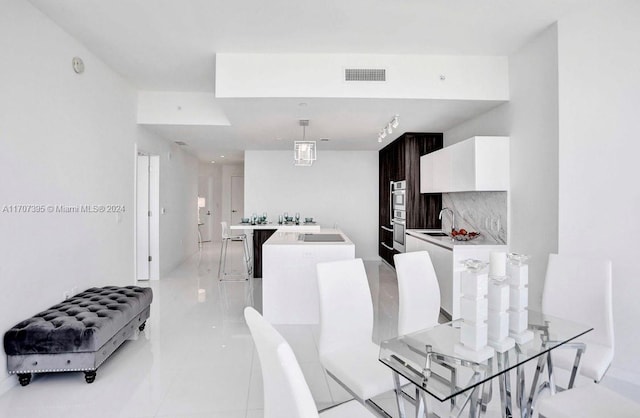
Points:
[(447, 241), (289, 227), (283, 237)]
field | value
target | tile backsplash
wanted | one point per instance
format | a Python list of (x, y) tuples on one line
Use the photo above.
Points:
[(485, 212)]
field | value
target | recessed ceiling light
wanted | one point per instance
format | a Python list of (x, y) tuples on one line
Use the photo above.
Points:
[(213, 162), (222, 156)]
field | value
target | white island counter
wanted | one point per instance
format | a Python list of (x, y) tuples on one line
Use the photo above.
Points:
[(289, 282)]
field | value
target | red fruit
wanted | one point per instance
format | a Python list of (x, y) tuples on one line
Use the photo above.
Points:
[(463, 232)]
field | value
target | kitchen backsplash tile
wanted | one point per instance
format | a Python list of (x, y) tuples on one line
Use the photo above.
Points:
[(485, 212)]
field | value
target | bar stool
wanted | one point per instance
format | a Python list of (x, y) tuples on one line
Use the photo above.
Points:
[(226, 237)]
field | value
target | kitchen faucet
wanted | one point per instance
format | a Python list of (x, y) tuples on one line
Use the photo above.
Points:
[(453, 217)]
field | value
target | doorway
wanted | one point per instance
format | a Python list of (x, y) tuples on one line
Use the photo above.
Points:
[(237, 199), (147, 217)]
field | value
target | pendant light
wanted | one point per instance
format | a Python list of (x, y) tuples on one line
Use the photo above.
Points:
[(304, 152)]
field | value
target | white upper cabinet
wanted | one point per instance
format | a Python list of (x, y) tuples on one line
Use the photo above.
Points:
[(477, 164)]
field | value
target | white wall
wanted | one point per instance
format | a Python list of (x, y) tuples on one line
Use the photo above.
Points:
[(178, 198), (599, 74), (65, 139), (531, 121), (340, 188)]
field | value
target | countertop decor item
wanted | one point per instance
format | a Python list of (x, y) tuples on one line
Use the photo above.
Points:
[(464, 235)]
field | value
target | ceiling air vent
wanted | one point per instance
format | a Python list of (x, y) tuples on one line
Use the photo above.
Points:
[(365, 74), (181, 143)]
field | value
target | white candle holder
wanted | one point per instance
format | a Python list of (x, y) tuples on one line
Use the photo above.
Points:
[(474, 313), (499, 314), (518, 272)]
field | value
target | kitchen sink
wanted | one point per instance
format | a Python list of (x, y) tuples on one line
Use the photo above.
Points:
[(436, 234)]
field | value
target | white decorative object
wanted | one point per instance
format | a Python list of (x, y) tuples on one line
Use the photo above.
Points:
[(519, 298), (499, 328), (499, 303), (474, 309), (498, 264), (498, 314), (474, 336)]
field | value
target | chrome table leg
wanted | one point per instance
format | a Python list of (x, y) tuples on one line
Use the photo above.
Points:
[(505, 387), (398, 391)]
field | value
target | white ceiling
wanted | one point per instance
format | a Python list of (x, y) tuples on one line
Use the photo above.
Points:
[(170, 45)]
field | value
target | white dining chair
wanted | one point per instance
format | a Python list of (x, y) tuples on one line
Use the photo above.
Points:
[(286, 393), (346, 326), (227, 237), (590, 401), (418, 292), (579, 289)]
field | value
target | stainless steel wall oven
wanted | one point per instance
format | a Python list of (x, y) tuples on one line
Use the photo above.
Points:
[(398, 220)]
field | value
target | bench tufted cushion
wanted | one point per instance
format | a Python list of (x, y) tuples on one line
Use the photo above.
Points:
[(82, 323)]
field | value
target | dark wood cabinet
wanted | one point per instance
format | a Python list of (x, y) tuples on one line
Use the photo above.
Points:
[(260, 236), (400, 160)]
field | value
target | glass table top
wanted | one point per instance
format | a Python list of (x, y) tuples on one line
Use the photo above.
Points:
[(444, 374)]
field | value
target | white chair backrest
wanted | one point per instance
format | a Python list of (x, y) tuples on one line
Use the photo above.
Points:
[(286, 393), (346, 309), (579, 289), (225, 230), (418, 292)]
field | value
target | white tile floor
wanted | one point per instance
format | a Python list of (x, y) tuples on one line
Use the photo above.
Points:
[(196, 356)]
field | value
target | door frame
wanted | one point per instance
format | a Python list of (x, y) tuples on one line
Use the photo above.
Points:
[(152, 190)]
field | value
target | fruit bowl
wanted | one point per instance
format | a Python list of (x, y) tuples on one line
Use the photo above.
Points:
[(463, 235)]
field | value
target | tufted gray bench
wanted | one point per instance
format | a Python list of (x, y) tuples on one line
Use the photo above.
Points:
[(78, 334)]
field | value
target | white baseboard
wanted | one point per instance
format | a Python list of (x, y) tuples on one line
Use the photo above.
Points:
[(624, 374), (8, 383)]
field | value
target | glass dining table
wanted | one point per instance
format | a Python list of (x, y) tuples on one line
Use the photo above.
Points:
[(428, 361)]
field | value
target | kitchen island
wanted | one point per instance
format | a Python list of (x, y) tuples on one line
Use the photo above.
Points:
[(289, 280), (258, 234)]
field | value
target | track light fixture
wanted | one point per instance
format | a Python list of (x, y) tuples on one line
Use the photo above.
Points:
[(388, 129)]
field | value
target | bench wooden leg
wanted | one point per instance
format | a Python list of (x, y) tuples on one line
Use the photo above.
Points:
[(24, 378), (90, 376)]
